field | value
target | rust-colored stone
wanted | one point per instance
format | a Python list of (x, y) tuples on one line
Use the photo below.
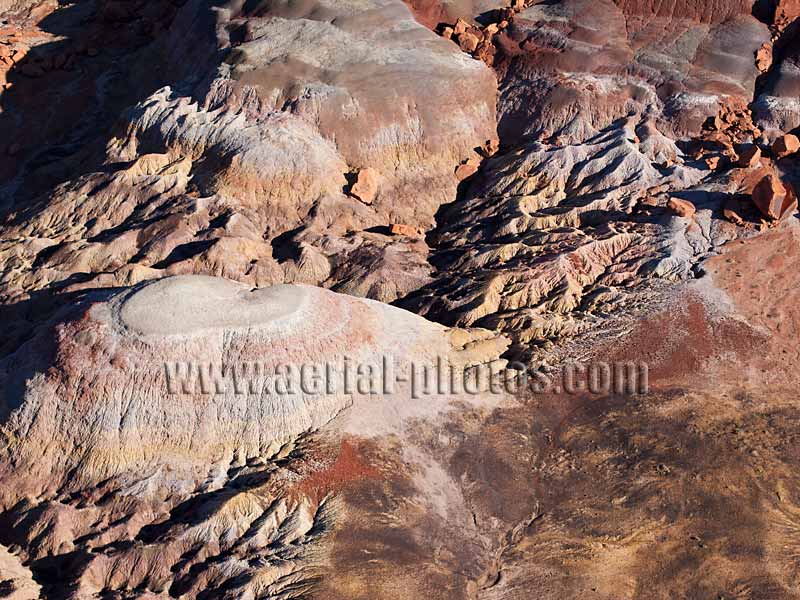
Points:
[(468, 41), (366, 186), (773, 197), (490, 147), (681, 208), (465, 171), (785, 145), (406, 230), (749, 157)]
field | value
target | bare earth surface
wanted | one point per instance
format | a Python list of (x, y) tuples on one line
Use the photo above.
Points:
[(195, 196)]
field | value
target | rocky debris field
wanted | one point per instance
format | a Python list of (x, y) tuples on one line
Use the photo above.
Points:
[(188, 186)]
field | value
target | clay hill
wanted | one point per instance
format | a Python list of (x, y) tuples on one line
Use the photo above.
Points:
[(195, 194)]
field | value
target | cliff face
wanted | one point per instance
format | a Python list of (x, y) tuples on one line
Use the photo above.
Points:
[(193, 190)]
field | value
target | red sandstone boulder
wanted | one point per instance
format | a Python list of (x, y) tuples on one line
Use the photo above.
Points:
[(406, 230), (774, 198), (466, 170), (785, 145), (681, 208), (460, 27), (490, 148), (749, 157), (366, 186)]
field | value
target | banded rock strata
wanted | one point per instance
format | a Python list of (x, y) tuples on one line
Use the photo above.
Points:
[(116, 477), (247, 153), (237, 157)]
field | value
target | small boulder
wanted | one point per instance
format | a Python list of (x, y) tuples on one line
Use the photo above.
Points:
[(365, 187), (406, 230), (681, 208), (764, 57), (774, 198), (785, 145), (466, 170), (749, 157), (19, 53), (460, 27), (712, 162), (490, 148), (468, 41)]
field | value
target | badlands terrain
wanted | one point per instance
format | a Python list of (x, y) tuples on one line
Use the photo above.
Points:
[(509, 189)]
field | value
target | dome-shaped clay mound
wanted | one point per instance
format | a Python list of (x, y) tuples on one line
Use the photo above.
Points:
[(178, 380)]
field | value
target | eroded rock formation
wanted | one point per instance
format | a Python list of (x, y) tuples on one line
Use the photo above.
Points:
[(541, 182), (152, 445)]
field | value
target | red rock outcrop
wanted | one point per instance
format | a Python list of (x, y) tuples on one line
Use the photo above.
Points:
[(365, 187), (749, 157)]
